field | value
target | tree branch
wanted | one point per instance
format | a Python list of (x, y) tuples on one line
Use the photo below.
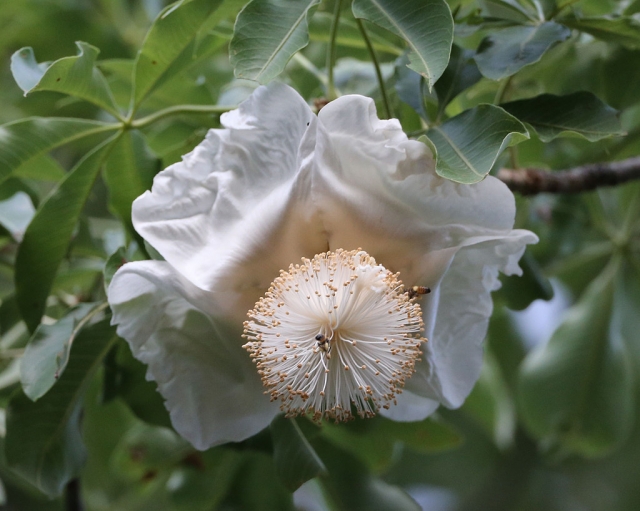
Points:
[(579, 179)]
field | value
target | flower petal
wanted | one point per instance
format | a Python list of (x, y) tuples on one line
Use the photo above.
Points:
[(211, 389), (457, 316), (225, 217), (410, 408)]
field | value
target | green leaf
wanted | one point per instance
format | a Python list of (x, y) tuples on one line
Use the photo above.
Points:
[(505, 52), (267, 34), (351, 486), (129, 172), (47, 354), (461, 73), (295, 460), (43, 442), (426, 26), (375, 441), (624, 30), (47, 238), (43, 168), (577, 390), (505, 9), (26, 139), (469, 144), (76, 76), (579, 114), (174, 30)]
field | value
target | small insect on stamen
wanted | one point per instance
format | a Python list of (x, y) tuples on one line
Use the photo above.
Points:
[(323, 343), (418, 291)]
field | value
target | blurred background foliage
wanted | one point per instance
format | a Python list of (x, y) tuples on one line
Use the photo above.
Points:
[(552, 423)]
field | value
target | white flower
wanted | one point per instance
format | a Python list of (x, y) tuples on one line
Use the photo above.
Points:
[(277, 185)]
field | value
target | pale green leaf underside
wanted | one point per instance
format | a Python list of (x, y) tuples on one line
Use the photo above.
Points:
[(506, 51), (426, 26), (468, 145), (267, 34)]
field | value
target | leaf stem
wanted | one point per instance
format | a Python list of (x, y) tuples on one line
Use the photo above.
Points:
[(331, 50), (180, 109), (305, 63), (376, 64), (501, 93)]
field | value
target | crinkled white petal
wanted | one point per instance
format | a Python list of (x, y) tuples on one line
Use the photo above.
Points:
[(457, 316), (210, 386), (233, 211)]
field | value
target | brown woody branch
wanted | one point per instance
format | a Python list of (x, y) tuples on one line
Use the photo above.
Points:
[(579, 179)]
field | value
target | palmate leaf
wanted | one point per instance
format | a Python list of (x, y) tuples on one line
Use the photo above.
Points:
[(24, 140), (267, 34), (426, 26), (579, 114), (506, 51), (48, 236), (76, 76), (577, 390), (468, 144), (43, 441), (173, 31)]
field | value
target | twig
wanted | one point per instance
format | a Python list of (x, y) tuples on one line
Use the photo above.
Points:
[(73, 500), (579, 179)]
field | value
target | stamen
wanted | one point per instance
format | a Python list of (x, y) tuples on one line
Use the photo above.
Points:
[(334, 334)]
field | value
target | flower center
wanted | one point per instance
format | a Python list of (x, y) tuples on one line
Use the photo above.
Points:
[(335, 333)]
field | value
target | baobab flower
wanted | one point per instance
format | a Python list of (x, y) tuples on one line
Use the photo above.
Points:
[(306, 235)]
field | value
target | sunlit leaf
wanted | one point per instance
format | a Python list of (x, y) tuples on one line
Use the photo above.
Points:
[(47, 354), (295, 460), (577, 390), (172, 32), (26, 139), (43, 168), (76, 76), (267, 34), (505, 52), (578, 114), (468, 144), (43, 442), (48, 236), (426, 26)]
